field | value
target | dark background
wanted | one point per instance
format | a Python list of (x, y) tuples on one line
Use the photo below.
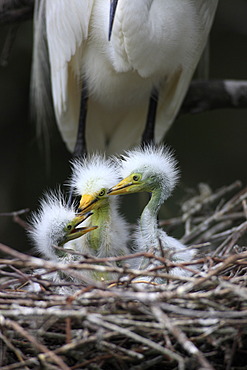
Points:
[(211, 147)]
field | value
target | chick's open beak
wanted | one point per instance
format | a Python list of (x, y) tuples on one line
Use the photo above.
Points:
[(113, 8), (73, 231), (86, 203), (123, 187)]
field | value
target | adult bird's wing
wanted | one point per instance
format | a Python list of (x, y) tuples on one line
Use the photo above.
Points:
[(67, 25), (176, 82), (172, 95), (63, 25)]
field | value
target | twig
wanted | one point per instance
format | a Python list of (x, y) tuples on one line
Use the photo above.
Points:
[(213, 272), (96, 319), (15, 350), (128, 352), (16, 218), (232, 239), (181, 337), (12, 11), (194, 205), (203, 96), (148, 364), (232, 352), (15, 213), (40, 347), (208, 221)]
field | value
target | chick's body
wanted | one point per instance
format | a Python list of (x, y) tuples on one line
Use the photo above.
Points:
[(91, 179), (56, 225), (153, 170)]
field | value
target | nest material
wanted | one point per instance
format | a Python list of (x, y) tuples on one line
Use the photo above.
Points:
[(197, 322)]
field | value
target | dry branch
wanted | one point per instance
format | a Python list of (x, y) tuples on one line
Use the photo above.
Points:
[(12, 11), (204, 96)]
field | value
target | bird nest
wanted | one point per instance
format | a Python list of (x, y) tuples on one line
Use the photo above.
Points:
[(196, 322)]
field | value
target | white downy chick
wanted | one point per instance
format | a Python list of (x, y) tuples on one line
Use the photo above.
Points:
[(153, 170)]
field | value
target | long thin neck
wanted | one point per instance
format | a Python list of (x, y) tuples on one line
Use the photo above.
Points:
[(148, 220), (100, 218)]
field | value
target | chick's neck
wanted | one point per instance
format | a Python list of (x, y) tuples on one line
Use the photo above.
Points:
[(100, 218)]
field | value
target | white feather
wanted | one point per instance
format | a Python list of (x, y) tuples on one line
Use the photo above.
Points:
[(89, 176), (47, 225), (47, 231), (158, 161), (92, 174), (172, 249), (158, 167), (155, 43)]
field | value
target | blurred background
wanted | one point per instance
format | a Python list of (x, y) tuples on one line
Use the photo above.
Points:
[(210, 147)]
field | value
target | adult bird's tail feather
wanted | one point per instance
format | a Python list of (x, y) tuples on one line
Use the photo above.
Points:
[(42, 111)]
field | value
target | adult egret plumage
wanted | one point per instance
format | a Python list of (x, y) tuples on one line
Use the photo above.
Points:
[(154, 48), (91, 178), (152, 170), (56, 224)]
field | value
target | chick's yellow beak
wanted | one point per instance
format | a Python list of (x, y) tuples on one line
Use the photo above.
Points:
[(86, 203), (78, 232), (73, 231), (123, 187)]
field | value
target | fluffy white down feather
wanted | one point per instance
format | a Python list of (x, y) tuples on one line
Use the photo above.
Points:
[(172, 248), (47, 230), (89, 176), (155, 163), (92, 174), (152, 160), (47, 225)]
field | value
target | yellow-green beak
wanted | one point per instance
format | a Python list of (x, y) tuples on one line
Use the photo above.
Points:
[(123, 187), (87, 203), (72, 229)]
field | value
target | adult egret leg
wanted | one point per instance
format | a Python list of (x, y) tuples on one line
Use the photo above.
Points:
[(148, 133), (81, 146)]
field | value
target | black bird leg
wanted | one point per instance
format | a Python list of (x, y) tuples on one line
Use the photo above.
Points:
[(148, 133), (80, 146)]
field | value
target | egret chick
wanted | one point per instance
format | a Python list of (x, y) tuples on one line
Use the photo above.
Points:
[(56, 224), (152, 170), (92, 178)]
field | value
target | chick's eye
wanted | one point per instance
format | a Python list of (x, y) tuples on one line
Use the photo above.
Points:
[(136, 178), (69, 227), (102, 193)]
